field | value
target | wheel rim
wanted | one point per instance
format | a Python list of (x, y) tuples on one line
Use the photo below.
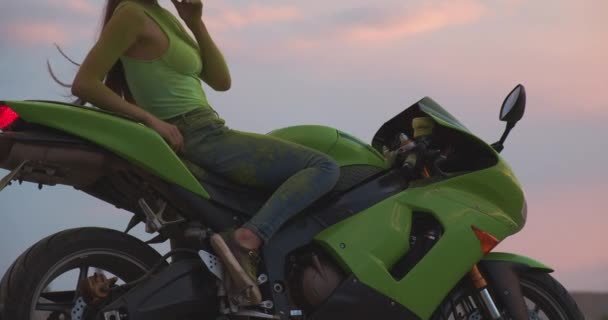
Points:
[(541, 305), (57, 305)]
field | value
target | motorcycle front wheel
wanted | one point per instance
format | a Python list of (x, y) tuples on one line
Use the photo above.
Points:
[(42, 284), (545, 297)]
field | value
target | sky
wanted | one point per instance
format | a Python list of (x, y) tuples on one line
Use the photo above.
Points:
[(353, 65)]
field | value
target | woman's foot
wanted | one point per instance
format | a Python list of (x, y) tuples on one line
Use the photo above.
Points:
[(241, 264)]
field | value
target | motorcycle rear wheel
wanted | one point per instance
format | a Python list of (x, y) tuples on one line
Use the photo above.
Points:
[(545, 298), (24, 291)]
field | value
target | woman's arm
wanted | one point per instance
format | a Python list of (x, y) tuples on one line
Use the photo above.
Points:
[(215, 71), (121, 32)]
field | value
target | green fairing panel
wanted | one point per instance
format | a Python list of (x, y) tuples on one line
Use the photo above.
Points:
[(490, 199), (495, 192), (345, 149), (510, 257), (497, 185), (359, 242), (316, 137), (128, 139)]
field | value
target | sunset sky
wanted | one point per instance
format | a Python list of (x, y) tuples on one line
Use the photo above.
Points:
[(353, 65)]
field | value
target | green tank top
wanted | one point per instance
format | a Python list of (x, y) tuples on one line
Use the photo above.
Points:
[(169, 85)]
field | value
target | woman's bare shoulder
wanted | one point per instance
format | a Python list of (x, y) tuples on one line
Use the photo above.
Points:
[(128, 21), (129, 9)]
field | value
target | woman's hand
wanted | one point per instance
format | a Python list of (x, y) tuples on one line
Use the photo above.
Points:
[(191, 11), (169, 132)]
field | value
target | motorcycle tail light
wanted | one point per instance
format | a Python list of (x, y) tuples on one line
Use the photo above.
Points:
[(7, 116), (488, 242)]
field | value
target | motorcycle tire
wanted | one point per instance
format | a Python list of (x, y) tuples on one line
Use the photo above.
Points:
[(115, 252), (545, 298)]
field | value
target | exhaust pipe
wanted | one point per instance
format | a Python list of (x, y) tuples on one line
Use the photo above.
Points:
[(51, 163), (5, 146)]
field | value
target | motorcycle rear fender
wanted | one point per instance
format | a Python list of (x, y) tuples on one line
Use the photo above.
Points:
[(502, 271), (128, 139)]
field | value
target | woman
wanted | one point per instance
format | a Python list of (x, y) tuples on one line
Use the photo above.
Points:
[(146, 66)]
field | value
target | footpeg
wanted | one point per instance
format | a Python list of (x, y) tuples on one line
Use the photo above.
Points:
[(213, 263), (267, 304)]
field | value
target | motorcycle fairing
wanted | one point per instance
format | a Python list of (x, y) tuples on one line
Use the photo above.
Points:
[(359, 241), (114, 133), (300, 231), (490, 199), (345, 149)]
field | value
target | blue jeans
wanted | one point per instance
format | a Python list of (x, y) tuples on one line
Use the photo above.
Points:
[(299, 174)]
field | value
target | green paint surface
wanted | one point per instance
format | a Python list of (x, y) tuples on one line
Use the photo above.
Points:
[(128, 139), (510, 257), (369, 243), (345, 149)]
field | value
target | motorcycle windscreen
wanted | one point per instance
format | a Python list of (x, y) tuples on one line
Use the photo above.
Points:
[(402, 123)]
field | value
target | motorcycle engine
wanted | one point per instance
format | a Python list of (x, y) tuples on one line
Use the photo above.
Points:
[(313, 278)]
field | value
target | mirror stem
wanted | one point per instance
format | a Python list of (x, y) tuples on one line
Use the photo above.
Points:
[(510, 126), (499, 146)]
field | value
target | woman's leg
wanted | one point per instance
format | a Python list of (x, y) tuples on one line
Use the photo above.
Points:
[(299, 174)]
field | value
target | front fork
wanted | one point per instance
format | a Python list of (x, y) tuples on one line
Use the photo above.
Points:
[(480, 283)]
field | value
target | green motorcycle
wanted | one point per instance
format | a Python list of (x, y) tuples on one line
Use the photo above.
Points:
[(407, 232)]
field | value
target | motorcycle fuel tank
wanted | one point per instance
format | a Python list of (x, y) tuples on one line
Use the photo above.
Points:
[(345, 149)]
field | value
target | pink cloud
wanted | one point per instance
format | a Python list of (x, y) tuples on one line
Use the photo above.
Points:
[(232, 18), (77, 6), (36, 33), (45, 33), (426, 19)]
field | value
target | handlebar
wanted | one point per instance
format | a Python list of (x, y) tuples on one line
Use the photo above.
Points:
[(421, 158)]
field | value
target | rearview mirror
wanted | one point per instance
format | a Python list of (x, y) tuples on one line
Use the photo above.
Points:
[(514, 105)]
